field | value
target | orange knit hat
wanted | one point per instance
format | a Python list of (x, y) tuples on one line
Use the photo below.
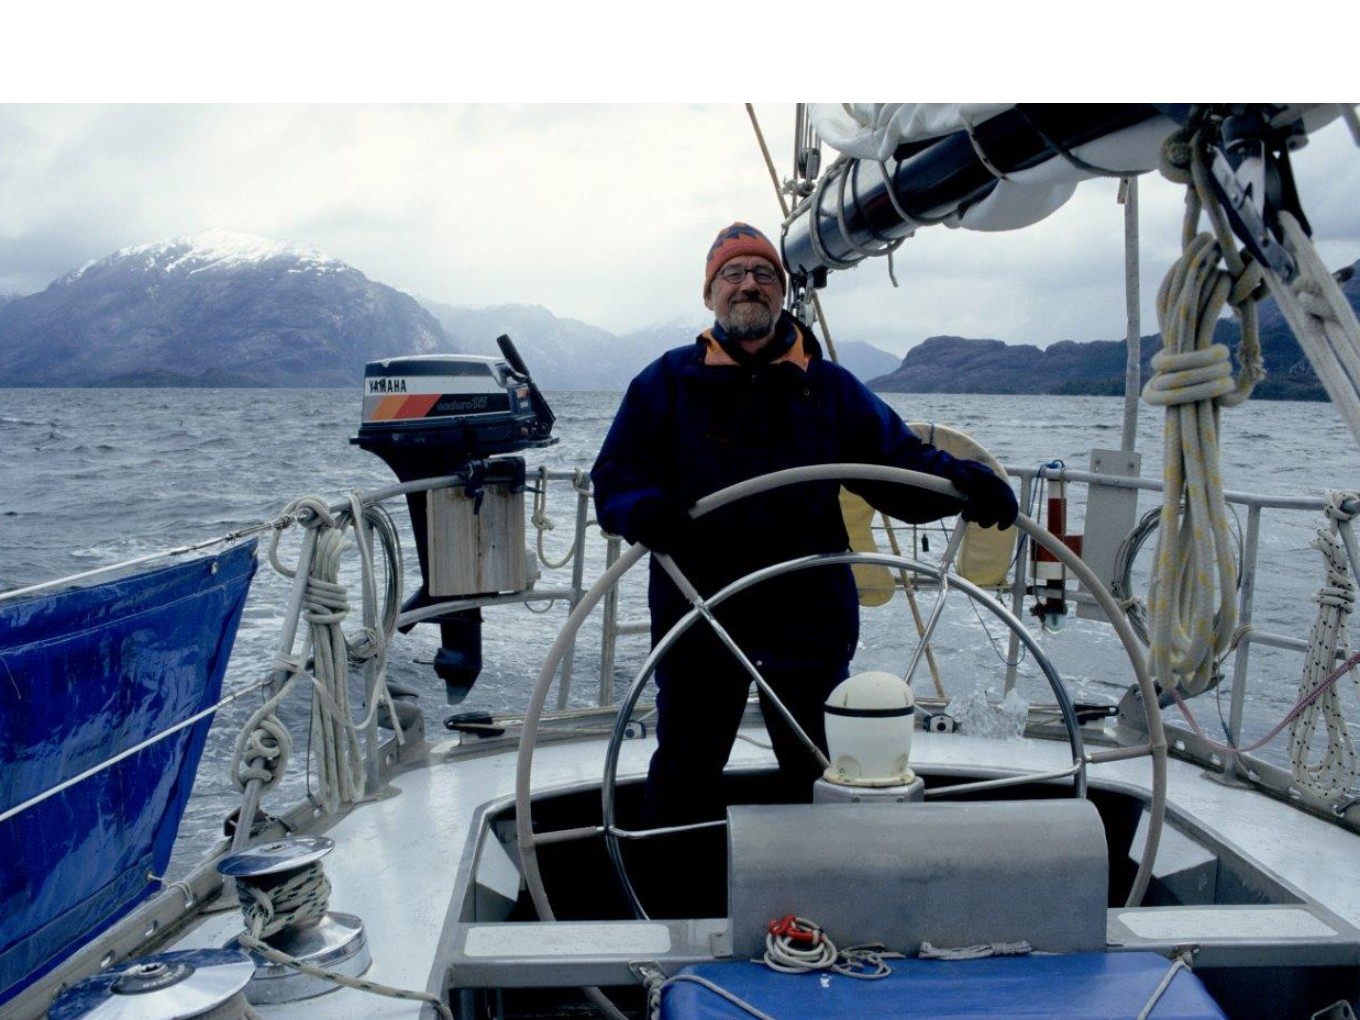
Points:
[(740, 239)]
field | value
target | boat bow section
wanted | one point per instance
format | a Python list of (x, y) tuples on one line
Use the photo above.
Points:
[(89, 674)]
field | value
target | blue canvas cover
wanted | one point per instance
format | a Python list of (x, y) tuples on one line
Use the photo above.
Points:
[(1077, 986), (87, 673)]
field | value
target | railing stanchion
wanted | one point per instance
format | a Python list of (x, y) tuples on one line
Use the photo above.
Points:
[(1246, 596)]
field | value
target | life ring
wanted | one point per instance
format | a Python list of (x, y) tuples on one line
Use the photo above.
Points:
[(874, 581), (986, 553)]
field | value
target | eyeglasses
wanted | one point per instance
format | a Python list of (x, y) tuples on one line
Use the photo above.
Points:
[(736, 274)]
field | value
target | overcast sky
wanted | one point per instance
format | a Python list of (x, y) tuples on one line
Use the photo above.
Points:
[(599, 212)]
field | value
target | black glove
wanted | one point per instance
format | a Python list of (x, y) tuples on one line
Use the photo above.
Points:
[(991, 500), (661, 523)]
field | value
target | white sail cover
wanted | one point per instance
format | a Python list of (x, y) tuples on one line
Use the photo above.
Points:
[(873, 131)]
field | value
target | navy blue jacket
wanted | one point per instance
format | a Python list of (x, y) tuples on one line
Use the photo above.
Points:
[(693, 422)]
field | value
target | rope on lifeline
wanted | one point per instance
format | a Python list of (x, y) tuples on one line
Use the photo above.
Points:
[(1337, 768), (340, 767), (543, 523), (339, 759), (1302, 704), (264, 738), (1193, 380), (1126, 555), (300, 899)]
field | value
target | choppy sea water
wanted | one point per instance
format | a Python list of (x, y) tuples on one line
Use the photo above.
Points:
[(91, 477)]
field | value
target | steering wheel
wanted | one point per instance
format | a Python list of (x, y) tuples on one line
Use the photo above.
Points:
[(1155, 748)]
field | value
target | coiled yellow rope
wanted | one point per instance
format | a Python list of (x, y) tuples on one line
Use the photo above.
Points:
[(1191, 602)]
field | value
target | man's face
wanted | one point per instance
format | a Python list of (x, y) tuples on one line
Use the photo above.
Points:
[(745, 309)]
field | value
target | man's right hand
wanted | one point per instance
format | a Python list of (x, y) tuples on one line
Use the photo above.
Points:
[(991, 500)]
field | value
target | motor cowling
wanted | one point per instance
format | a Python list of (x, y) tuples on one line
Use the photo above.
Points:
[(428, 416)]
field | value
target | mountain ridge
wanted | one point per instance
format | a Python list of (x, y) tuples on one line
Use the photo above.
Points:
[(1097, 367), (221, 309)]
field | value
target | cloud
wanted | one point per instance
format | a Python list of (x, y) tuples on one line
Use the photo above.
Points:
[(597, 212)]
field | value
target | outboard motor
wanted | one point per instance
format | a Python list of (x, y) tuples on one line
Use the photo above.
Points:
[(443, 414)]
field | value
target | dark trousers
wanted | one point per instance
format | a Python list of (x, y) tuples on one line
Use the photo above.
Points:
[(699, 710)]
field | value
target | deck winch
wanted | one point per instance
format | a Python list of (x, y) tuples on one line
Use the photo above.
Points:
[(177, 985), (284, 894), (430, 416), (869, 722)]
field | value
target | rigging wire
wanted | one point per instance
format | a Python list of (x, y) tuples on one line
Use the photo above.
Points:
[(784, 209)]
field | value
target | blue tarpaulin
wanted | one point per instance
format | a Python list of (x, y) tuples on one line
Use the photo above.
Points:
[(85, 674), (1076, 986)]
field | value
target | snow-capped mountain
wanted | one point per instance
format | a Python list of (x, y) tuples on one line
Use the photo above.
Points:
[(224, 309), (211, 251), (213, 309)]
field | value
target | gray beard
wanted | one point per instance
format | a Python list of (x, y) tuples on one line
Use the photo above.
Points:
[(748, 322)]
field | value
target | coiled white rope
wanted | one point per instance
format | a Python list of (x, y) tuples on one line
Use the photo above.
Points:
[(339, 759), (1135, 609), (795, 945), (1192, 605), (263, 746), (1336, 770)]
